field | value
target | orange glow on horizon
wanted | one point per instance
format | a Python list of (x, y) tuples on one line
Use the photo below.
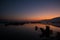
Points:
[(37, 18)]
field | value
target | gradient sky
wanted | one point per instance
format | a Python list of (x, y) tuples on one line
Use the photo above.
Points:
[(29, 9)]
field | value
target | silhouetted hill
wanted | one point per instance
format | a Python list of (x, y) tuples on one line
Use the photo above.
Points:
[(56, 20), (53, 21)]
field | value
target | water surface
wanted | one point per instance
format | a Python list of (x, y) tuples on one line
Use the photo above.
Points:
[(26, 31)]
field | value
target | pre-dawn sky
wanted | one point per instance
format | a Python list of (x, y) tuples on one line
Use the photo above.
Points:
[(29, 9)]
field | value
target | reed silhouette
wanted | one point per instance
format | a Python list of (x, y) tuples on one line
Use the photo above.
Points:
[(36, 28), (46, 32), (57, 36)]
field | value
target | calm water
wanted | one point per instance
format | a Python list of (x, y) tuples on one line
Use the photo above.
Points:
[(25, 31)]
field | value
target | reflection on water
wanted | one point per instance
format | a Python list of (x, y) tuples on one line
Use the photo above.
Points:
[(26, 30), (54, 28)]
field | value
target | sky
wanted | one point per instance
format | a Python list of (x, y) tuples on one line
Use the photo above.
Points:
[(29, 9)]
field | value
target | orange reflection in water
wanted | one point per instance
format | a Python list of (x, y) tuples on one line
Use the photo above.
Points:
[(32, 26)]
